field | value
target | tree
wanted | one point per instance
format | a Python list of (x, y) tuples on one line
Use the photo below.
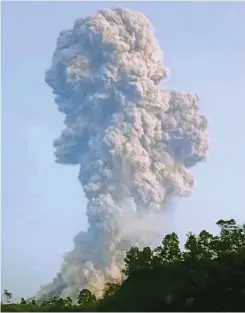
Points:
[(206, 248), (190, 252), (209, 275), (169, 251), (68, 301), (85, 298), (22, 301), (110, 289), (137, 259), (232, 237), (7, 296)]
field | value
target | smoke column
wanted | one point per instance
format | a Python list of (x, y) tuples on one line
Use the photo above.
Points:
[(133, 140)]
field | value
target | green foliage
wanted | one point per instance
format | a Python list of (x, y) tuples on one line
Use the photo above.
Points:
[(68, 301), (165, 279), (209, 275), (22, 301), (169, 251), (110, 289), (85, 298), (7, 296), (137, 259)]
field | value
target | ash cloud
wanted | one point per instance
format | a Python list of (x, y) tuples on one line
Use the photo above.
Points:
[(133, 140)]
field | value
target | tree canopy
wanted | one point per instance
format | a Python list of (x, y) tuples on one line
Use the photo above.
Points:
[(208, 275)]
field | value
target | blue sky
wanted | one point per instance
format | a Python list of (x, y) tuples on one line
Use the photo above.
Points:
[(43, 205)]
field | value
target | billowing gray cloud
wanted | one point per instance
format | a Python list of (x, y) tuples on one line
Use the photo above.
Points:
[(133, 140)]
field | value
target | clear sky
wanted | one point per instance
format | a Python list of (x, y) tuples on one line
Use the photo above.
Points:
[(43, 205)]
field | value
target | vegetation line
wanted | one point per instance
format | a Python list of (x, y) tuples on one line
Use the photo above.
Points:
[(209, 275)]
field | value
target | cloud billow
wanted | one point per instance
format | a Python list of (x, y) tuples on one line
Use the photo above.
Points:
[(133, 140)]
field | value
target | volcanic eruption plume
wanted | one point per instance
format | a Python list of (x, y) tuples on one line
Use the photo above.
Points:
[(132, 139)]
